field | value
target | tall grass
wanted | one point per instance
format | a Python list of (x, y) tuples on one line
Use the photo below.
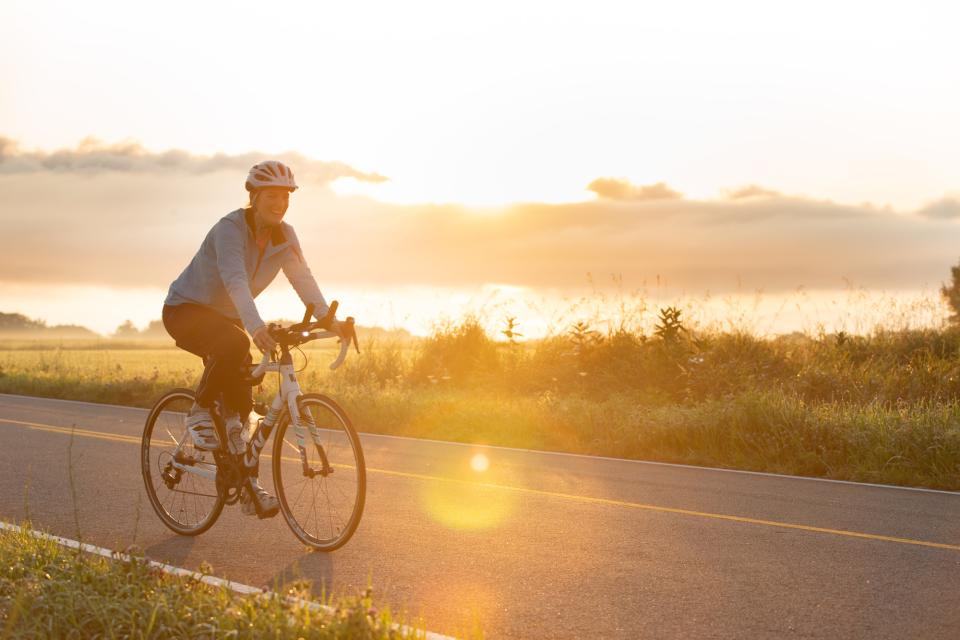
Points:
[(881, 406), (47, 591)]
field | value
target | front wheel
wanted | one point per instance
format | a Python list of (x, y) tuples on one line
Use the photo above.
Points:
[(180, 479), (319, 474)]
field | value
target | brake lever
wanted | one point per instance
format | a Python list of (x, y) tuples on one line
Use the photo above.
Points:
[(353, 333), (322, 323)]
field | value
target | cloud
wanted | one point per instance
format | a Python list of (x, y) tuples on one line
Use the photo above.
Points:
[(943, 209), (140, 228), (619, 189), (751, 191), (92, 156)]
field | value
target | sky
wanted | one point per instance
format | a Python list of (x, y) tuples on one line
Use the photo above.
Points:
[(452, 152)]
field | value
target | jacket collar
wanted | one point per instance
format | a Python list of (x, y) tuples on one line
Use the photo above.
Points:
[(277, 236)]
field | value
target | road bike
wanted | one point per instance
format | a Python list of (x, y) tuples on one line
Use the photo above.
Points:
[(317, 461)]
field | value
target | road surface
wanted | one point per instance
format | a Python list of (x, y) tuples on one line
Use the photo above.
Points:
[(539, 545)]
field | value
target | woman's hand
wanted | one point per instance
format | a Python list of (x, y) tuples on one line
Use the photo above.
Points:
[(342, 329), (263, 339)]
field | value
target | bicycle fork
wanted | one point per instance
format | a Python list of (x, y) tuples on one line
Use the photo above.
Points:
[(302, 423), (300, 419)]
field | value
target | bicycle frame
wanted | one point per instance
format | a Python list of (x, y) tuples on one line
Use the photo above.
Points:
[(286, 402), (229, 474)]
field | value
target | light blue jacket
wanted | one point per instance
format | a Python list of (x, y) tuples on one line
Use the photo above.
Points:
[(229, 271)]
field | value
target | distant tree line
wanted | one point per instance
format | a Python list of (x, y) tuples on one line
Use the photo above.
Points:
[(129, 330), (17, 323)]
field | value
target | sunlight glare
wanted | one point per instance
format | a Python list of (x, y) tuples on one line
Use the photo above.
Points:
[(467, 501), (479, 463)]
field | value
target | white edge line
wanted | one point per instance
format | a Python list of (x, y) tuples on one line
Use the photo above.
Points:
[(765, 474), (213, 581)]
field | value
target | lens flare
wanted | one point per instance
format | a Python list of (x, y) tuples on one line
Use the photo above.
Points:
[(479, 463), (468, 498)]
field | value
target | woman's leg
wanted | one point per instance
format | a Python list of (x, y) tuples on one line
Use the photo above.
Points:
[(224, 347)]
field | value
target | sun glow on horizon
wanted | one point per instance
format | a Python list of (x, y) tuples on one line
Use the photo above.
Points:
[(477, 197), (538, 313), (479, 117)]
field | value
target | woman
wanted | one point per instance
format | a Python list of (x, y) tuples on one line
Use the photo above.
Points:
[(211, 303)]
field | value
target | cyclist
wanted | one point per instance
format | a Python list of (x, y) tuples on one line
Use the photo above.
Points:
[(211, 303)]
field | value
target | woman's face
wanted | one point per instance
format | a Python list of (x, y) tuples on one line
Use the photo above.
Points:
[(270, 205)]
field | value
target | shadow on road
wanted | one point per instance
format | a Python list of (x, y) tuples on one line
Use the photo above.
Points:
[(173, 550), (315, 567)]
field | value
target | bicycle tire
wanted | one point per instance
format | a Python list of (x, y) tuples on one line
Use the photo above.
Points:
[(348, 462), (194, 516)]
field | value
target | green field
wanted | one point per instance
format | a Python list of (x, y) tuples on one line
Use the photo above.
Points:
[(878, 408)]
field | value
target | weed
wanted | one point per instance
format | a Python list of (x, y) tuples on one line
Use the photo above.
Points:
[(820, 404), (49, 591)]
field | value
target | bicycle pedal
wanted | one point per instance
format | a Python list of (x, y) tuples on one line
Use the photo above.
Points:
[(249, 508), (269, 513)]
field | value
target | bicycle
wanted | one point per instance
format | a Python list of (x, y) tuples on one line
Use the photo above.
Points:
[(188, 490)]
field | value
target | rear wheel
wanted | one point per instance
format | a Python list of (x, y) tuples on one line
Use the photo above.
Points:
[(180, 479), (323, 501)]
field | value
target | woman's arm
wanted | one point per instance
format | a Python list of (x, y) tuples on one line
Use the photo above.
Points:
[(298, 273), (228, 242)]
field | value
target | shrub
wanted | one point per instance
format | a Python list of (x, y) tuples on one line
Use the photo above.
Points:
[(459, 355)]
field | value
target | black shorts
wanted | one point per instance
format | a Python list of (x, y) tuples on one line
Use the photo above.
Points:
[(224, 347)]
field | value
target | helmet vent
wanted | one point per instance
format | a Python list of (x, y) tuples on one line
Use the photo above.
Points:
[(271, 173)]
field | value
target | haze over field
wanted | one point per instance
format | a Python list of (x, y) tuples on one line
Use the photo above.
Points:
[(503, 159)]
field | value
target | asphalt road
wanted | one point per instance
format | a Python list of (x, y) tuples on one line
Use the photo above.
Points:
[(539, 545)]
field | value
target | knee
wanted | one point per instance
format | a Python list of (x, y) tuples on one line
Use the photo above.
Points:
[(240, 342), (239, 346), (232, 346)]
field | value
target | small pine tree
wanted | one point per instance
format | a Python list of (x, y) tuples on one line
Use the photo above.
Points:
[(582, 336), (670, 325), (951, 293)]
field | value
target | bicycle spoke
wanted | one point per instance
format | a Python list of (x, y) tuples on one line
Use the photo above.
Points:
[(325, 514), (171, 437), (345, 496), (326, 495), (195, 493), (303, 485), (185, 500), (313, 502)]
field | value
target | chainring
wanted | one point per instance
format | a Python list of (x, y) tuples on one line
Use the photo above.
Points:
[(230, 477)]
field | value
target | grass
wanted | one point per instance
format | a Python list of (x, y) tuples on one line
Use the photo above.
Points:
[(881, 407), (49, 591)]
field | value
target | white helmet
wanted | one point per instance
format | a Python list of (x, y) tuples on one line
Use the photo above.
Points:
[(270, 173)]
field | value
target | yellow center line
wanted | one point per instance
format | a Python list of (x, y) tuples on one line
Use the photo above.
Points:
[(86, 433), (100, 435)]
